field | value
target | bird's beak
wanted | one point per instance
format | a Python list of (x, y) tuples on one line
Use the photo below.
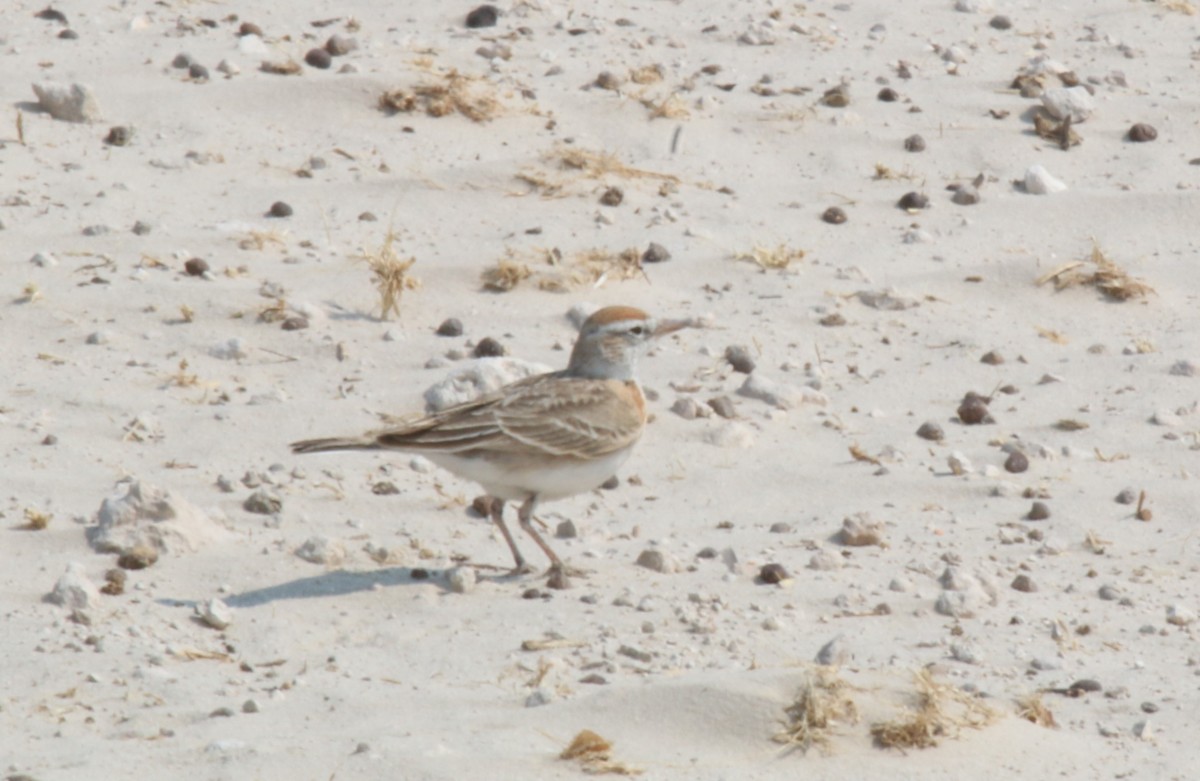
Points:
[(670, 326)]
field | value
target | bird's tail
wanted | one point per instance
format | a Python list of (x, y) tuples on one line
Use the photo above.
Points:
[(333, 443)]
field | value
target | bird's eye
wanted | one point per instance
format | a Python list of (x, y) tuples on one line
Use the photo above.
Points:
[(637, 330)]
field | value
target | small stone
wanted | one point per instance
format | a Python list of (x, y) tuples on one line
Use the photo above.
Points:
[(229, 349), (279, 209), (913, 202), (339, 45), (608, 80), (773, 574), (323, 550), (137, 557), (43, 260), (182, 61), (611, 484), (1039, 511), (228, 67), (566, 530), (119, 135), (1038, 181), (73, 590), (215, 613), (779, 527), (249, 28), (826, 561), (195, 267), (612, 196), (49, 14), (221, 713), (740, 358), (655, 253), (263, 502), (539, 696), (461, 580), (654, 560), (489, 348), (294, 323), (834, 652), (1000, 22), (318, 58), (1141, 133), (967, 195), (1109, 593), (931, 431), (974, 410), (1016, 462), (860, 531), (1126, 496), (114, 582), (99, 337), (914, 143), (483, 16), (723, 406), (451, 326), (1180, 615), (992, 358), (50, 439), (1024, 583), (141, 228), (836, 97), (74, 103), (888, 95), (198, 72), (766, 390), (251, 706), (834, 215), (1183, 369), (1073, 102)]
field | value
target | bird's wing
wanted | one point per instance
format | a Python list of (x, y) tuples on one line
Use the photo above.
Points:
[(572, 417)]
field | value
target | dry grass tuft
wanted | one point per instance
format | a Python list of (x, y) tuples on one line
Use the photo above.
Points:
[(257, 240), (274, 312), (505, 275), (819, 706), (670, 107), (1031, 708), (552, 271), (1099, 272), (771, 258), (1179, 6), (36, 520), (598, 164), (470, 96), (941, 711), (594, 754), (390, 272)]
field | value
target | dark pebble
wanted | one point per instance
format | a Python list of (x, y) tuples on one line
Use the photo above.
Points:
[(1084, 686), (973, 410), (451, 326), (182, 61), (1016, 462), (50, 439), (914, 143), (992, 358), (51, 15), (114, 582), (483, 16), (385, 488), (250, 28), (1000, 22), (773, 573), (195, 267), (1126, 496), (1024, 583), (611, 483), (739, 358), (118, 135), (489, 348), (318, 58), (558, 579), (655, 253), (888, 95), (832, 320), (198, 72), (707, 553), (1149, 707), (1009, 390), (723, 406), (913, 201), (367, 217), (779, 527), (68, 35), (1039, 511), (834, 215), (141, 228), (279, 209), (137, 557), (612, 196), (294, 323), (1141, 132), (339, 45), (482, 506), (931, 431), (419, 574), (531, 593)]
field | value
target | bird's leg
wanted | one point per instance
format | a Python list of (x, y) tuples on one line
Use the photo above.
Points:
[(558, 571), (497, 512)]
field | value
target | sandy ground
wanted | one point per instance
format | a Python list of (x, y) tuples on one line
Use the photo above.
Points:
[(120, 368)]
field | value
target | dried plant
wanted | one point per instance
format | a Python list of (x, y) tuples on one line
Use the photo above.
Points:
[(552, 271), (390, 273), (505, 275), (455, 93), (820, 705), (1031, 708), (670, 107), (36, 520), (768, 258), (941, 711), (597, 164), (594, 754), (1100, 272)]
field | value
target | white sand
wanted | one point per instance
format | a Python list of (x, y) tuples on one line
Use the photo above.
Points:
[(357, 669)]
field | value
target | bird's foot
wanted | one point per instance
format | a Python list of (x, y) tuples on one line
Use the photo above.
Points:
[(559, 575), (522, 568)]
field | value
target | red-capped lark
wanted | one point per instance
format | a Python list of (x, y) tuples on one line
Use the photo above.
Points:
[(544, 437)]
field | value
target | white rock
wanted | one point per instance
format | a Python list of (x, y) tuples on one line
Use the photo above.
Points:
[(44, 260), (1183, 369), (824, 561), (228, 349), (74, 103), (478, 377), (539, 696), (141, 514), (689, 409), (99, 337), (229, 68), (421, 465), (835, 652), (959, 464), (968, 6), (215, 613), (1039, 181), (1164, 417), (1073, 102), (73, 590), (252, 45), (778, 395), (321, 550), (954, 55), (1180, 615), (462, 580), (657, 561), (888, 300), (959, 604), (730, 434)]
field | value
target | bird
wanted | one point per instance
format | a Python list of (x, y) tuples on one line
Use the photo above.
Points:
[(541, 438)]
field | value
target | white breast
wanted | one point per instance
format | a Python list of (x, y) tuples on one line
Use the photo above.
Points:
[(514, 482)]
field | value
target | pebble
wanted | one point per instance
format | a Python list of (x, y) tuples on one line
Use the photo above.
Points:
[(973, 410), (834, 215), (1039, 181), (119, 135), (931, 431), (1165, 417), (1073, 102), (1039, 511), (967, 195), (279, 209), (138, 557), (73, 590), (655, 560), (249, 28), (1000, 22), (887, 95), (263, 502), (1183, 369), (69, 103), (1126, 496), (723, 406), (44, 260), (251, 706), (483, 16), (195, 267), (776, 394), (462, 580), (913, 202), (229, 349), (197, 72), (779, 527), (323, 550), (689, 409), (566, 530), (228, 67), (1024, 583), (1110, 593), (834, 652), (99, 337), (965, 653), (825, 561), (613, 196), (473, 380), (655, 253), (221, 713), (451, 326), (489, 348), (959, 464), (914, 143), (1142, 133), (773, 574), (1180, 615), (318, 58), (182, 61), (860, 530), (538, 697), (731, 435), (1016, 462), (340, 45), (216, 614), (740, 358)]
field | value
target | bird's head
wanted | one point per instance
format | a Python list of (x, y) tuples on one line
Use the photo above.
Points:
[(611, 340)]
